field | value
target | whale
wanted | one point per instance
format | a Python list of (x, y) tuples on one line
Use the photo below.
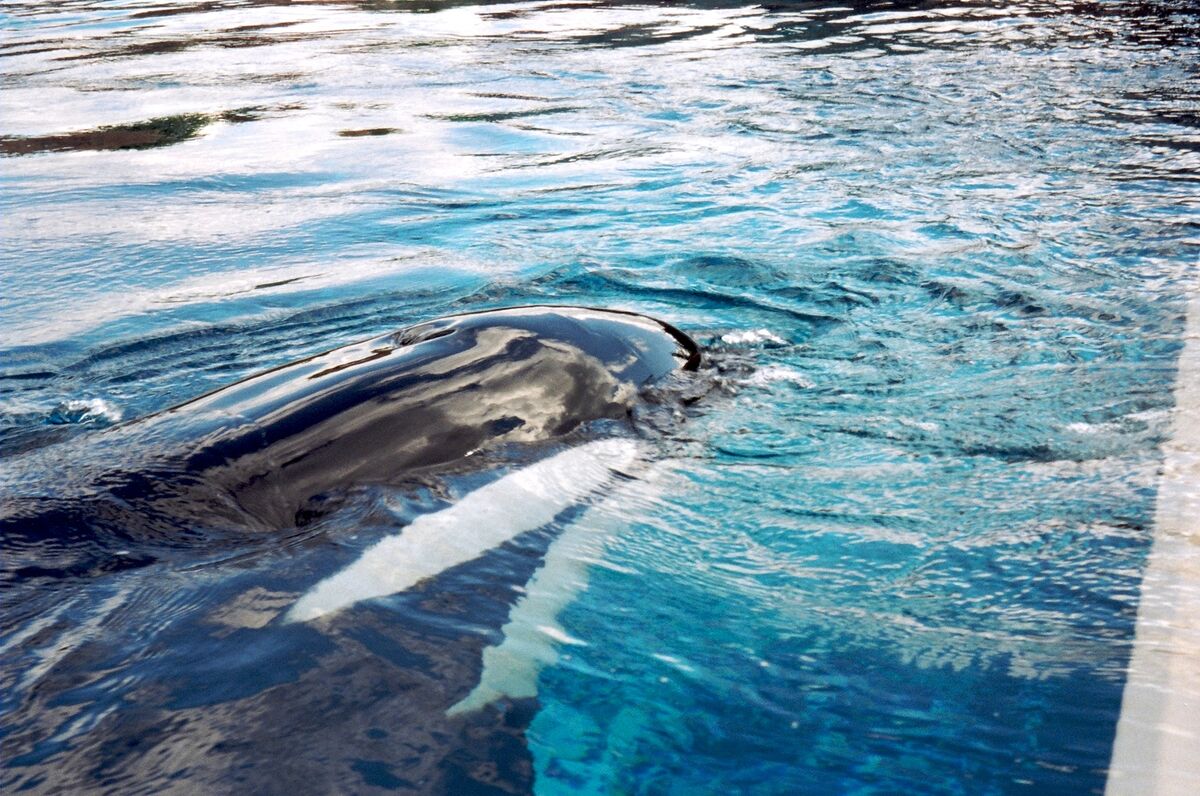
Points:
[(277, 449), (428, 639)]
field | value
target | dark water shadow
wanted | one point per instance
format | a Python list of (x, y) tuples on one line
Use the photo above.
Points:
[(153, 133)]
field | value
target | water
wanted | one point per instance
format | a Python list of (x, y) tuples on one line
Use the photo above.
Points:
[(941, 253)]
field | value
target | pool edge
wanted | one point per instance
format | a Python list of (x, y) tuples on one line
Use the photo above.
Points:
[(1157, 745)]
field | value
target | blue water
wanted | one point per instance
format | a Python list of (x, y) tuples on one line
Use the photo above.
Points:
[(939, 253)]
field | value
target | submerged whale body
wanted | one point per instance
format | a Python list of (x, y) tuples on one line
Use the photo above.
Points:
[(256, 676), (269, 451)]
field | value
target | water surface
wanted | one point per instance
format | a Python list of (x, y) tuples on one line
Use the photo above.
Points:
[(940, 251)]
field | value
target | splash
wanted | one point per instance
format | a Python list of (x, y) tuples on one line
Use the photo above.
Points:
[(89, 410)]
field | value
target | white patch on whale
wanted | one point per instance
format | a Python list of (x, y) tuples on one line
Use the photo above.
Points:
[(532, 635), (482, 520)]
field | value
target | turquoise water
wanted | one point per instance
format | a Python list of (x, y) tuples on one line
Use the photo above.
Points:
[(938, 254)]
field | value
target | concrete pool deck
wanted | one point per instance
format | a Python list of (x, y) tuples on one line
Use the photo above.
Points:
[(1157, 747)]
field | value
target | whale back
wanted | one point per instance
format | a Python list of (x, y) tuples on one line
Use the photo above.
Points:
[(432, 394)]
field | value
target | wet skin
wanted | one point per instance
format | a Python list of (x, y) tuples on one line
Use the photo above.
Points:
[(269, 451)]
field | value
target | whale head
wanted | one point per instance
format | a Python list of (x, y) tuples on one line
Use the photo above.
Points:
[(427, 396)]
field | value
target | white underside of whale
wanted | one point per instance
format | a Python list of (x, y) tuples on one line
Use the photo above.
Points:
[(533, 636), (486, 518), (482, 520)]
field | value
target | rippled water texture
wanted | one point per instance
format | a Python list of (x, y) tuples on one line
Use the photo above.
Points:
[(940, 252)]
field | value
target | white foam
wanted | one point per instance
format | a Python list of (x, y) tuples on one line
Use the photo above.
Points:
[(1084, 428), (753, 337), (920, 425), (484, 519), (83, 410), (779, 373)]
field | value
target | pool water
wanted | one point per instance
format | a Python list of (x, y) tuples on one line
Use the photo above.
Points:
[(938, 256)]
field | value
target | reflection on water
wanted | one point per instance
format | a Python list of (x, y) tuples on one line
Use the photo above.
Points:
[(141, 135), (939, 253)]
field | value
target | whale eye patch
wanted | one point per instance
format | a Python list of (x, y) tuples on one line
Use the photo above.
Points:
[(421, 334)]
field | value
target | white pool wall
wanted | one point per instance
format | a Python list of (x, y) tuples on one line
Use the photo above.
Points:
[(1157, 746)]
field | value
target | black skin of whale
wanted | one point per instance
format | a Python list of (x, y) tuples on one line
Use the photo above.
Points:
[(270, 451), (356, 704)]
